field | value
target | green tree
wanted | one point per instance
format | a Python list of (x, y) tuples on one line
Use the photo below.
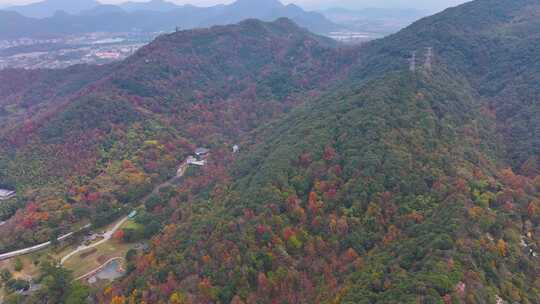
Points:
[(78, 294), (18, 264), (56, 282), (5, 275)]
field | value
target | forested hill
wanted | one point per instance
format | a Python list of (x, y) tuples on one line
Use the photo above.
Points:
[(119, 129), (395, 186), (493, 45)]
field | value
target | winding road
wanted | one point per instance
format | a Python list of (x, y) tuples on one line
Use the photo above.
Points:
[(37, 247), (106, 236)]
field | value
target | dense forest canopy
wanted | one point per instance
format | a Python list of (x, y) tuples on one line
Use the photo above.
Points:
[(405, 170)]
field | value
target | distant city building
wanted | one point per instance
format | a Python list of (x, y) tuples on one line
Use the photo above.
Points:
[(108, 55), (351, 37)]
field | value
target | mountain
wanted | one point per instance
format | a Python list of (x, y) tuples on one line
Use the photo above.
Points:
[(153, 5), (157, 16), (104, 9), (376, 13), (268, 10), (13, 20), (48, 7), (245, 6), (376, 20), (394, 186), (364, 175), (253, 72)]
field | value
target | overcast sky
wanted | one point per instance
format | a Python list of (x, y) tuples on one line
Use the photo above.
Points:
[(312, 4)]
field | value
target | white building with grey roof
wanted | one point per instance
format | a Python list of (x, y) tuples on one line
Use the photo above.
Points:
[(6, 194)]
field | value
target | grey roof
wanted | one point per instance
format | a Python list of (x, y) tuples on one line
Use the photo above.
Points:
[(6, 193), (199, 151)]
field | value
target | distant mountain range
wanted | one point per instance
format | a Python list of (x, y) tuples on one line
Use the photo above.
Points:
[(152, 5), (52, 18), (49, 7), (378, 20)]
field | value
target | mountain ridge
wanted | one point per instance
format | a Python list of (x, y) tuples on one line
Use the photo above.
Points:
[(153, 5), (48, 7), (393, 187), (119, 97), (157, 16)]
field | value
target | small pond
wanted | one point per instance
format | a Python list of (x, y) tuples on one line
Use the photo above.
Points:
[(112, 271)]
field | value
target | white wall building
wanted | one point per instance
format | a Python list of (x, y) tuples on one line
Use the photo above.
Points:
[(6, 194)]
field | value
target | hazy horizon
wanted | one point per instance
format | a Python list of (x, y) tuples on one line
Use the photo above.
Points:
[(428, 5)]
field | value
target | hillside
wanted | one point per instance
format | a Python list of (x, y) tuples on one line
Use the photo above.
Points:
[(393, 187), (70, 130), (361, 178), (485, 46)]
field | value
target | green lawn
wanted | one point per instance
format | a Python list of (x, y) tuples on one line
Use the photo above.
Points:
[(81, 265)]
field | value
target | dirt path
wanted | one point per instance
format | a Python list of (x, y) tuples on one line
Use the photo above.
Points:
[(181, 171)]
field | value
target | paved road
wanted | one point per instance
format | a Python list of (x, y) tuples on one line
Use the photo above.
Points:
[(181, 171), (106, 236), (35, 248)]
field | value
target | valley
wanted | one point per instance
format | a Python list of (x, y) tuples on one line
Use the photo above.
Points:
[(91, 48)]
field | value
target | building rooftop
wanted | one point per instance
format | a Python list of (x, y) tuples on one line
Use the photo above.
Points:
[(6, 193), (202, 151)]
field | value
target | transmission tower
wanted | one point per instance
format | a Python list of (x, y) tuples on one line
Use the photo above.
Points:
[(412, 62), (428, 65)]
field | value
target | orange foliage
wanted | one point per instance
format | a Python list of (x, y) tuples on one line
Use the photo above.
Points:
[(532, 209), (350, 255), (206, 259), (391, 235), (119, 234), (313, 205), (502, 247), (415, 216), (118, 300), (288, 233)]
